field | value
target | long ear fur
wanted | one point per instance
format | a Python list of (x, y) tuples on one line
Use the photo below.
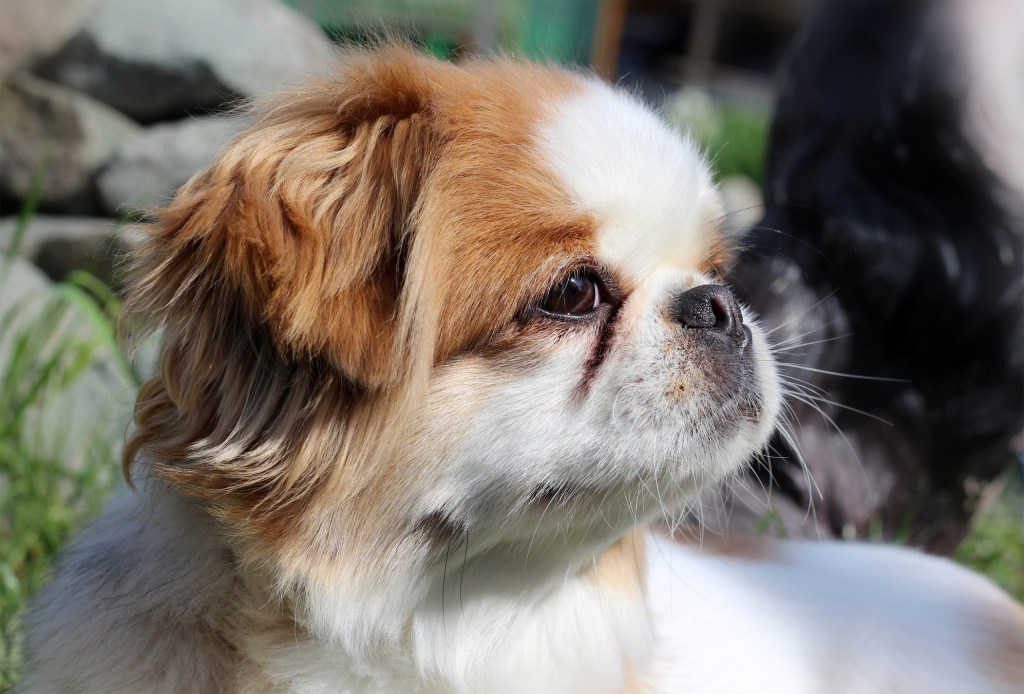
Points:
[(277, 277)]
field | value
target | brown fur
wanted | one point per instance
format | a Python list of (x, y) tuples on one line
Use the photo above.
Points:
[(1001, 651), (367, 228), (634, 684), (622, 566)]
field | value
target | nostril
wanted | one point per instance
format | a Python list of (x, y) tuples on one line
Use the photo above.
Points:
[(724, 312), (710, 307)]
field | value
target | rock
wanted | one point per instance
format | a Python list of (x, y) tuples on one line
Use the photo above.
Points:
[(32, 29), (82, 414), (59, 245), (55, 133), (150, 167), (19, 281), (743, 202), (158, 59)]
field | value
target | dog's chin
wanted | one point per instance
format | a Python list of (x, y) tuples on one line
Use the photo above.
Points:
[(738, 433), (735, 432)]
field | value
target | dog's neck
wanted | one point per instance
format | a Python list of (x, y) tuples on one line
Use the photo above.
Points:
[(475, 628)]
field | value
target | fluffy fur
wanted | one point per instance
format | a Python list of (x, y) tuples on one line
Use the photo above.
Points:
[(892, 247), (373, 460)]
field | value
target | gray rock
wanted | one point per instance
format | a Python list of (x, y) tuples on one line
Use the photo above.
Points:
[(33, 29), (148, 168), (53, 132), (157, 59), (19, 281), (59, 245)]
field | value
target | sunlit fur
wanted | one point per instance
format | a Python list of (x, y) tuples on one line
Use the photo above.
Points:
[(368, 461)]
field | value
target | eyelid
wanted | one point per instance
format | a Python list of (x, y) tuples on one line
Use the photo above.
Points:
[(609, 293)]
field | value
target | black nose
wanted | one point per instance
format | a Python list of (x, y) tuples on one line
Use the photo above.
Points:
[(710, 307)]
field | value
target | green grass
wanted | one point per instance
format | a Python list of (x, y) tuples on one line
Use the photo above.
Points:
[(53, 475), (996, 546), (735, 136), (738, 147), (49, 481)]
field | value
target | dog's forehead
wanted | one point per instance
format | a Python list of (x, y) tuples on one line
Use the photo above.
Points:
[(646, 185)]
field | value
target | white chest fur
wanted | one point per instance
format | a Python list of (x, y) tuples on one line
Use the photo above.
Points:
[(578, 638)]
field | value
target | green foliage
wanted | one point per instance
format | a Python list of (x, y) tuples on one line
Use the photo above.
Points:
[(996, 546), (770, 525), (47, 344), (737, 147), (540, 29), (734, 135)]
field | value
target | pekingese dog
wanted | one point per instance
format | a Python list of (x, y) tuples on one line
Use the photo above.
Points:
[(438, 343)]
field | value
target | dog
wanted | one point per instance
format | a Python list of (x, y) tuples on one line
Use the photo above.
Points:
[(890, 194), (440, 346)]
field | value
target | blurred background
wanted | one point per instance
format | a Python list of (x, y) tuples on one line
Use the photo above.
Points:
[(859, 149)]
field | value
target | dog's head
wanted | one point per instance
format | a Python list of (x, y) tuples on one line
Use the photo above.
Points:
[(420, 300)]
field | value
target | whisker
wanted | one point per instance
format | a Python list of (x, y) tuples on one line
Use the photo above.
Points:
[(803, 242), (813, 306), (860, 377), (848, 408), (837, 429), (783, 347), (812, 485), (462, 576), (789, 437), (792, 342)]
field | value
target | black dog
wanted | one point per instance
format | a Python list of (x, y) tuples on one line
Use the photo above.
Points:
[(889, 250)]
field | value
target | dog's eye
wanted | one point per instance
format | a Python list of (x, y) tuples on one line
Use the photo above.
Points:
[(577, 294)]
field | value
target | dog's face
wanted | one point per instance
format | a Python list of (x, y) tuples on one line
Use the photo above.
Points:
[(424, 301), (624, 377)]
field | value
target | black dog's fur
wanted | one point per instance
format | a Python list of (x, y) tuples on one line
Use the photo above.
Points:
[(890, 247)]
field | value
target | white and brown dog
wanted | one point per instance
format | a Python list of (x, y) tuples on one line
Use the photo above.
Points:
[(438, 342)]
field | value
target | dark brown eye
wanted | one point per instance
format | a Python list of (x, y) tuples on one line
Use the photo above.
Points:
[(579, 293)]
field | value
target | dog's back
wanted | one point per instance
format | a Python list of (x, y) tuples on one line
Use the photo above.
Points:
[(799, 616), (142, 601)]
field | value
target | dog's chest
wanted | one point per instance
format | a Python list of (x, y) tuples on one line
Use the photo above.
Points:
[(580, 638)]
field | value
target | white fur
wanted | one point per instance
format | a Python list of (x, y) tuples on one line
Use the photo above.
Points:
[(642, 455), (820, 617), (814, 617), (648, 185), (152, 597)]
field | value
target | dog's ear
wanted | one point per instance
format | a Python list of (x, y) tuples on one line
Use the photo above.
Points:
[(298, 230), (277, 273)]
